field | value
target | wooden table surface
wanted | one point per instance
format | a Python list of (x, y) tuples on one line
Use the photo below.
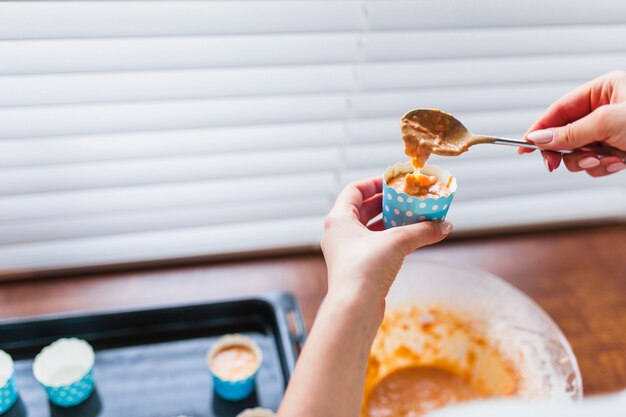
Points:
[(578, 276)]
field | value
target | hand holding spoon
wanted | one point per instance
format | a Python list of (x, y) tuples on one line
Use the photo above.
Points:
[(444, 135)]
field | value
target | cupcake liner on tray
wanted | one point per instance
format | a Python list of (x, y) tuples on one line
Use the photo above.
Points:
[(400, 209), (257, 412), (72, 394), (234, 390), (65, 370), (8, 389)]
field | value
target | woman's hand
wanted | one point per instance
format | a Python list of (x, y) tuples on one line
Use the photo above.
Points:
[(594, 112), (364, 259), (362, 263)]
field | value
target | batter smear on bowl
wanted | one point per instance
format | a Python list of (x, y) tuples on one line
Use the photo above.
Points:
[(422, 360)]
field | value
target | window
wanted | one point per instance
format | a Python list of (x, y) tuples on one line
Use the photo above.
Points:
[(141, 130)]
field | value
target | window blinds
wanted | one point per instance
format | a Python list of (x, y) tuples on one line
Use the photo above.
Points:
[(142, 130)]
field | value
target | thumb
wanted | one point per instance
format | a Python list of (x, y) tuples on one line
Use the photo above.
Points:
[(592, 128), (414, 236)]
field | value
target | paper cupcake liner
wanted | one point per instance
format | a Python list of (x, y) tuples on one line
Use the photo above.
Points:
[(72, 394), (257, 412), (8, 389), (234, 390), (400, 209), (65, 370)]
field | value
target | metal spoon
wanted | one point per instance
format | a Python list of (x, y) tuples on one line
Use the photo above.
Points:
[(453, 133)]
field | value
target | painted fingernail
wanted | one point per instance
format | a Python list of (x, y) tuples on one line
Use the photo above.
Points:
[(540, 136), (588, 162), (446, 228), (618, 166), (547, 164)]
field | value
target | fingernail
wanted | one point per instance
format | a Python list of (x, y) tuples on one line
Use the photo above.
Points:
[(618, 166), (589, 162), (446, 227), (540, 136), (547, 164)]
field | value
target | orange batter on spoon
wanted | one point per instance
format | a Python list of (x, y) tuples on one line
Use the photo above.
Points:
[(419, 143)]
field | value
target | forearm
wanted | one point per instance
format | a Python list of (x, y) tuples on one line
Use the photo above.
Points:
[(362, 260), (330, 374)]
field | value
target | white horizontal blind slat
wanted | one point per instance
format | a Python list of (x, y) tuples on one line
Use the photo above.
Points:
[(196, 241), (394, 14), (161, 171), (466, 43), (458, 100), (100, 118), (146, 220), (32, 90), (80, 19), (134, 54), (169, 143), (558, 207), (27, 207), (36, 90), (535, 181), (56, 19), (487, 71)]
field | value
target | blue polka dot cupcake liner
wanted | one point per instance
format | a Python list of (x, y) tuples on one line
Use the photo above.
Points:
[(234, 389), (8, 389), (65, 370), (400, 209), (257, 412)]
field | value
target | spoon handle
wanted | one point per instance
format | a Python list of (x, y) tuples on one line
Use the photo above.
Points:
[(600, 150)]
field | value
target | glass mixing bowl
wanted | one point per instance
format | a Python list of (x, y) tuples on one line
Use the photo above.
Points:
[(508, 319)]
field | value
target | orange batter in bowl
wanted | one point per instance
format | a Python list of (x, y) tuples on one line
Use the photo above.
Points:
[(417, 390), (426, 359)]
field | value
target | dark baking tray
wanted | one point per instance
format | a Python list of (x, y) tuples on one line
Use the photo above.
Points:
[(151, 363)]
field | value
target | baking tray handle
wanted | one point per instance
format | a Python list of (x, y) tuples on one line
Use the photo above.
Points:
[(297, 328)]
